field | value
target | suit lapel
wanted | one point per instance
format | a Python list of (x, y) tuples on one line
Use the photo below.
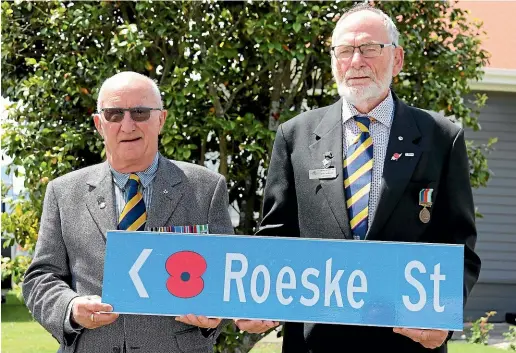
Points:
[(328, 136), (166, 193), (396, 174), (100, 199)]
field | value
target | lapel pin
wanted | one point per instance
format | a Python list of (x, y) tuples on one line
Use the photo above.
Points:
[(329, 171), (400, 138), (395, 156), (409, 154), (101, 202), (328, 156), (165, 191)]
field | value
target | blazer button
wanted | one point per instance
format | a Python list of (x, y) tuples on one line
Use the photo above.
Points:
[(116, 349)]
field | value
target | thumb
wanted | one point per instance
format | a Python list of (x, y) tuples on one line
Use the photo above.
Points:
[(94, 298), (98, 306)]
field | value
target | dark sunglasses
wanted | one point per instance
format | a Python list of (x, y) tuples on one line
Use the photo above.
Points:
[(138, 114)]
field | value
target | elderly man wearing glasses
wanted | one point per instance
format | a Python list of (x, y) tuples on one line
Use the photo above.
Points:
[(135, 189), (369, 167)]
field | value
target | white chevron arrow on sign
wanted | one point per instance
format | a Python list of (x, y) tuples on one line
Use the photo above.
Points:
[(133, 273)]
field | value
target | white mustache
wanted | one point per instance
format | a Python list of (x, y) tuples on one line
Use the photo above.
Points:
[(358, 74)]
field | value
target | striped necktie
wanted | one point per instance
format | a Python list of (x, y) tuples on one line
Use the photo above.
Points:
[(134, 215), (358, 167)]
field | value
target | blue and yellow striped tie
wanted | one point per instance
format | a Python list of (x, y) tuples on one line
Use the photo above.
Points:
[(134, 215), (358, 167)]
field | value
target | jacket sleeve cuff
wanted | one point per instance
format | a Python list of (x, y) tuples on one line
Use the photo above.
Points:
[(69, 325)]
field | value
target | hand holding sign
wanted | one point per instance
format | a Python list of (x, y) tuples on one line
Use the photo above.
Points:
[(199, 321), (255, 326), (428, 338), (89, 312)]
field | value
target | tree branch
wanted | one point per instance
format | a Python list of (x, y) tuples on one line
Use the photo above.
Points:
[(219, 111), (293, 93), (203, 150), (244, 85), (223, 150), (166, 68)]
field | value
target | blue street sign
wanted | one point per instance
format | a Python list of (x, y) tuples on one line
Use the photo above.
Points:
[(285, 279)]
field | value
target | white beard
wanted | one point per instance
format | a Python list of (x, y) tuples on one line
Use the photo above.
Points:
[(364, 94)]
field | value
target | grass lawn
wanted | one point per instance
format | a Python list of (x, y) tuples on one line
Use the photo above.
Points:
[(453, 347), (20, 333), (472, 348)]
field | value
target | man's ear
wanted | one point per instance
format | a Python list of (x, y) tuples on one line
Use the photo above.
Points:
[(162, 119), (98, 124), (399, 56)]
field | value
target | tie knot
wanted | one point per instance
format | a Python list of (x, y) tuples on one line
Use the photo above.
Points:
[(134, 177), (134, 181), (363, 123)]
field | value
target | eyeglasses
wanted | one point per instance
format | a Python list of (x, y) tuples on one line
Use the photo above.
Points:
[(367, 50), (138, 114)]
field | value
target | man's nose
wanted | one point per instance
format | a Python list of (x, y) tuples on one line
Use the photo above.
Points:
[(357, 59), (128, 124)]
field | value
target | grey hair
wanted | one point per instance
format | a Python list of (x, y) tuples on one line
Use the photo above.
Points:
[(394, 34), (127, 76)]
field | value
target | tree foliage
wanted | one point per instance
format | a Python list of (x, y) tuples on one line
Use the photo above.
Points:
[(19, 228), (228, 72)]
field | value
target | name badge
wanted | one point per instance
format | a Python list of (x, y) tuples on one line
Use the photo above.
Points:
[(327, 173)]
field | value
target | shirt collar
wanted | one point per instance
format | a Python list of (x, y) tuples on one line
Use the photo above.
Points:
[(383, 112), (145, 177)]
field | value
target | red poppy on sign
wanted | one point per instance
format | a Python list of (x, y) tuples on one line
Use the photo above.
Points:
[(186, 269)]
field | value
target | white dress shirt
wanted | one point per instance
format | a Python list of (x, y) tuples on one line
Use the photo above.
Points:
[(379, 130)]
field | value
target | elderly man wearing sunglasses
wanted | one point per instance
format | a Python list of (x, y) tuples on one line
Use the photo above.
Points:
[(135, 189)]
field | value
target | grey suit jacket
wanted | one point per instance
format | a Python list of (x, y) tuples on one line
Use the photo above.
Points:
[(69, 257)]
